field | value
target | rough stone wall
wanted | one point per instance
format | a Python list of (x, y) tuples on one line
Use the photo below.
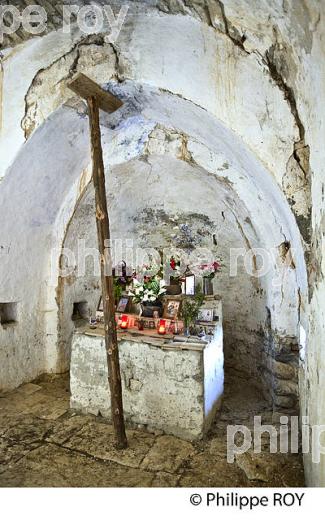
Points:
[(48, 91), (281, 371), (312, 354), (162, 390)]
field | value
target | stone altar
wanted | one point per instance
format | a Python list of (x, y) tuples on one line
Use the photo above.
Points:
[(169, 384)]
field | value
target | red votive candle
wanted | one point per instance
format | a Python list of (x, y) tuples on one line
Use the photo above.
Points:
[(162, 327), (124, 322)]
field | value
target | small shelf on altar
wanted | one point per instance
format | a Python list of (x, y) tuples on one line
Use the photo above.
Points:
[(165, 341), (206, 323), (149, 333)]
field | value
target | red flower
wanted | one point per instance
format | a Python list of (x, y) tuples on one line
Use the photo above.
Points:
[(216, 266), (173, 263)]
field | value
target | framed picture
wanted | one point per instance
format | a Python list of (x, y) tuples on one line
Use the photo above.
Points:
[(123, 304), (205, 315), (190, 285), (171, 309)]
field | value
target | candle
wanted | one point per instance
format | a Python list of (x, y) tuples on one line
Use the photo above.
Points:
[(124, 322), (162, 327)]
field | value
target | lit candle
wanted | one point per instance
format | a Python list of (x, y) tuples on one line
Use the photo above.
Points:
[(124, 322), (162, 327)]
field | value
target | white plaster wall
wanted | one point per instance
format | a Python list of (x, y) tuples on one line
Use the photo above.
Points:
[(202, 65), (192, 60), (213, 366), (20, 65), (29, 211)]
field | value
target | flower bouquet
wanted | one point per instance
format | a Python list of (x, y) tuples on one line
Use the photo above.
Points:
[(175, 272), (148, 293), (207, 271), (121, 281)]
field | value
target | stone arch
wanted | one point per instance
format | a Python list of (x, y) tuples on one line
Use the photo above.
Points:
[(214, 72), (151, 125)]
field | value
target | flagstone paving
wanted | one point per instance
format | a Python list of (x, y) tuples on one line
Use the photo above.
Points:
[(44, 444)]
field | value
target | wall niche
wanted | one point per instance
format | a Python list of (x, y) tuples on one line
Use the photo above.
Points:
[(8, 313)]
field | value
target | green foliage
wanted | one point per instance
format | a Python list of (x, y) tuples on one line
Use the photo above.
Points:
[(118, 289), (190, 309), (147, 291)]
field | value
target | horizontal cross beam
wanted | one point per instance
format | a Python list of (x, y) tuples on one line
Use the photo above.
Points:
[(87, 88)]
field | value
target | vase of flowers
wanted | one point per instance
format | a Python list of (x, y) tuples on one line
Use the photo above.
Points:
[(207, 272), (174, 287), (121, 281), (148, 293), (207, 286), (190, 311)]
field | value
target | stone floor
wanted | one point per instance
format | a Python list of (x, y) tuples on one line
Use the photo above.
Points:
[(42, 443)]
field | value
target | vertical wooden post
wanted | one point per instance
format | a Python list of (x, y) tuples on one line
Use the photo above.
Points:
[(103, 232)]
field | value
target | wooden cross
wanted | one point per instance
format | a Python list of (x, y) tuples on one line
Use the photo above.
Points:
[(97, 98)]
